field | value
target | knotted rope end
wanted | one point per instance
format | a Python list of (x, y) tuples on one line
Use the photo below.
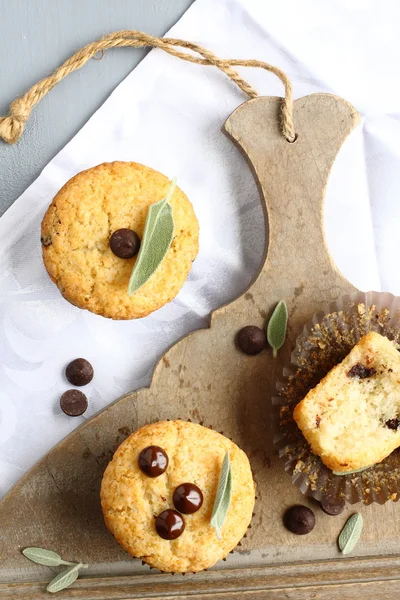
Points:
[(12, 126)]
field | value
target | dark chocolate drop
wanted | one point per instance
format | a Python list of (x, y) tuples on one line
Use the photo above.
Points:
[(73, 403), (188, 498), (332, 506), (393, 424), (170, 524), (361, 372), (299, 519), (153, 461), (79, 372), (251, 340), (125, 243)]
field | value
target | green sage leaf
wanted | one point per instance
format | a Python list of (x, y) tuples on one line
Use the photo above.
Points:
[(223, 497), (156, 241), (64, 579), (350, 533), (41, 556), (351, 472), (276, 329)]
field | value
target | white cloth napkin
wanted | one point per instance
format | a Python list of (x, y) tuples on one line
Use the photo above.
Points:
[(168, 114)]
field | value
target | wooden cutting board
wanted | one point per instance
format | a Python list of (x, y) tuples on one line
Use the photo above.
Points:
[(206, 379)]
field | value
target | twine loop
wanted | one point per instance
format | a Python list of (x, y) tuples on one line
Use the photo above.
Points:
[(12, 125)]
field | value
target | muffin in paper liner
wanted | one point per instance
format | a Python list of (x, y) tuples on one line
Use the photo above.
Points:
[(323, 343), (236, 549)]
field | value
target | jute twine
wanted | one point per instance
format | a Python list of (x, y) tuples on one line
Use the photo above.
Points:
[(12, 126)]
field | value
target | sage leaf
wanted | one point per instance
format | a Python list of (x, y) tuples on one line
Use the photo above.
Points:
[(350, 533), (48, 558), (64, 579), (156, 241), (351, 472), (276, 329), (223, 497)]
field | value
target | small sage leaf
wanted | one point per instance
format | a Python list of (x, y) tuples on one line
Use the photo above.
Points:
[(64, 579), (156, 241), (41, 556), (277, 325), (352, 472), (223, 497), (350, 533)]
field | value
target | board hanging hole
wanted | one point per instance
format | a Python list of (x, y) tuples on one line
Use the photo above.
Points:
[(293, 141)]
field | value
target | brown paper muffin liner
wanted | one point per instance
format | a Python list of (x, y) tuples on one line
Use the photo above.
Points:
[(322, 344)]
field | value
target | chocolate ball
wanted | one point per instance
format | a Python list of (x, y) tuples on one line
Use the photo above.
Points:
[(73, 403), (125, 243), (332, 506), (187, 498), (299, 519), (79, 372), (251, 339), (153, 461), (170, 524), (46, 240)]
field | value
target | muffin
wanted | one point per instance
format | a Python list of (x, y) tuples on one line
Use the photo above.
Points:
[(342, 332), (351, 419), (159, 490), (78, 226)]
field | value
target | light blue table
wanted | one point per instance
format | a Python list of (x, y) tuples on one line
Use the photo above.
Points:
[(36, 36)]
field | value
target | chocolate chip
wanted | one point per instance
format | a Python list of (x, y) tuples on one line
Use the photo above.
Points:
[(170, 524), (79, 372), (125, 243), (332, 506), (251, 340), (360, 371), (299, 519), (153, 461), (46, 240), (73, 403), (393, 424), (187, 498)]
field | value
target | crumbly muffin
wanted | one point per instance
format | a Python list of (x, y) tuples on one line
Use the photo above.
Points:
[(132, 501), (351, 419), (76, 231)]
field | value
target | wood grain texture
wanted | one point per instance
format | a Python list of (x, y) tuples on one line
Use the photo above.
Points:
[(206, 379)]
